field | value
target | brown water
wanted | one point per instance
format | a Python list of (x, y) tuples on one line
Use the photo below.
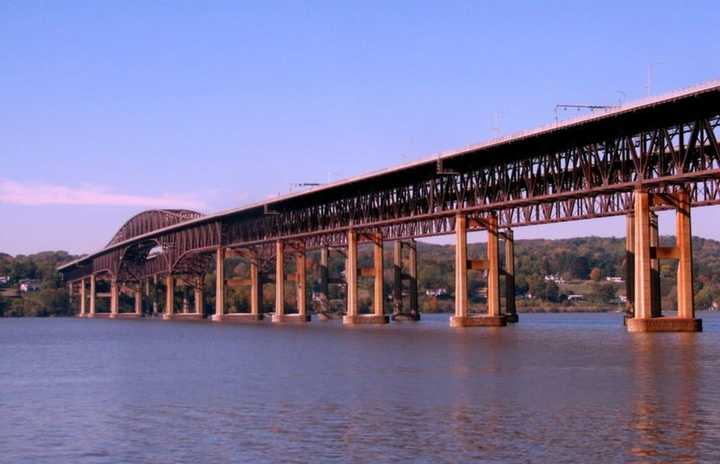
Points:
[(554, 388)]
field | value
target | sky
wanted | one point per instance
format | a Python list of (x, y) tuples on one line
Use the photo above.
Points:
[(110, 108)]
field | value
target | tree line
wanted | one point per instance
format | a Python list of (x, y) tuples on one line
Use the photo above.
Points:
[(588, 259)]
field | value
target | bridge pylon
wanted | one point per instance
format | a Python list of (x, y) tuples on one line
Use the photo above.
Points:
[(647, 251)]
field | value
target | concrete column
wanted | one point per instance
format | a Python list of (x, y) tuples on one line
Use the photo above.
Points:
[(138, 300), (70, 294), (493, 256), (630, 262), (510, 275), (461, 277), (397, 277), (412, 273), (300, 284), (655, 267), (686, 304), (92, 295), (643, 271), (114, 298), (169, 297), (185, 300), (82, 298), (198, 295), (255, 287), (155, 295), (644, 320), (351, 275), (219, 284), (324, 273), (378, 300), (279, 279)]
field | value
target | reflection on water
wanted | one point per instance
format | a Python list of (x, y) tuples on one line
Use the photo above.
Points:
[(666, 412), (555, 388)]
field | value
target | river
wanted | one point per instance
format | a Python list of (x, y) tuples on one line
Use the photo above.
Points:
[(553, 388)]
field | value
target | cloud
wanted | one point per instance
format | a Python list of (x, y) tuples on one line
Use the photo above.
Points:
[(32, 194)]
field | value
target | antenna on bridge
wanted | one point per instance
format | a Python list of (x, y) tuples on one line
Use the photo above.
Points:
[(304, 184), (579, 108)]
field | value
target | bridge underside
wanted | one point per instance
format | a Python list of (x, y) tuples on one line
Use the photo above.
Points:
[(659, 155)]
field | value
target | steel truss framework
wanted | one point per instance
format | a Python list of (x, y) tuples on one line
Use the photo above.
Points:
[(587, 171)]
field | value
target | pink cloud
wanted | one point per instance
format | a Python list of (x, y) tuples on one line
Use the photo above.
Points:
[(32, 194)]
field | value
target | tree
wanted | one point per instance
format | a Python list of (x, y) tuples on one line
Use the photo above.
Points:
[(596, 274), (603, 292)]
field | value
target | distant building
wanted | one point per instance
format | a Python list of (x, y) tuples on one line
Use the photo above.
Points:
[(554, 278), (575, 297), (29, 285), (436, 292), (615, 279), (4, 280)]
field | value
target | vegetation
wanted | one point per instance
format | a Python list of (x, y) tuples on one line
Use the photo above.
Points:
[(574, 267), (581, 266), (51, 298)]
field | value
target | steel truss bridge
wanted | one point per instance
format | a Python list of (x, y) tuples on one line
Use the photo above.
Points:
[(588, 167)]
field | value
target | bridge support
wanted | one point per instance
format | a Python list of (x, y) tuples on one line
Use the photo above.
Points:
[(378, 315), (324, 309), (279, 314), (412, 277), (198, 297), (185, 313), (644, 319), (655, 298), (462, 318), (300, 278), (93, 296), (169, 297), (219, 285), (399, 312), (510, 309), (82, 297), (256, 290), (301, 285), (629, 266), (155, 308), (114, 298), (138, 301), (185, 300)]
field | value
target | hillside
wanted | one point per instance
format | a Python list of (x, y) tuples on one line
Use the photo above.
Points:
[(580, 267)]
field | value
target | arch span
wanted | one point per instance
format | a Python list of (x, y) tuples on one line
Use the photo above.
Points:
[(150, 220)]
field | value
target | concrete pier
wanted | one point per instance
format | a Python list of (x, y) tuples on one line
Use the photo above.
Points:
[(169, 297), (138, 300), (82, 298), (92, 296), (300, 278), (114, 298), (630, 265), (198, 296), (352, 316), (155, 305), (646, 318), (219, 285), (655, 295), (462, 317), (510, 308), (412, 279), (400, 312)]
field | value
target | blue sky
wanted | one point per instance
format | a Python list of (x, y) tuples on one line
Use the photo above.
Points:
[(110, 108)]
